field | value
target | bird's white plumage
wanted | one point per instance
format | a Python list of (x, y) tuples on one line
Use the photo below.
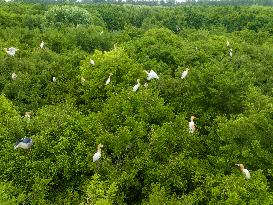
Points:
[(54, 79), (28, 115), (11, 51), (230, 52), (42, 44), (21, 145), (92, 62), (184, 73), (136, 86), (246, 173), (13, 76), (108, 80), (96, 156), (151, 75), (25, 143), (192, 125)]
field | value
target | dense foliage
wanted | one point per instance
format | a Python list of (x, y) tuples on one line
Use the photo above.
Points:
[(149, 156)]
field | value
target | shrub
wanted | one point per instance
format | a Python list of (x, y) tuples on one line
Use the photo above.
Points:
[(68, 15)]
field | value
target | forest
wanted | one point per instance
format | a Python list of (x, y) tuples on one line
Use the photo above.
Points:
[(106, 104)]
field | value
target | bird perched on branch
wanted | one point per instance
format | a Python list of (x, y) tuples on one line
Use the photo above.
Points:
[(92, 62), (42, 44), (11, 51), (135, 88), (184, 73), (230, 52), (151, 75), (109, 79), (244, 171), (97, 155), (24, 143), (192, 125), (13, 76), (28, 115)]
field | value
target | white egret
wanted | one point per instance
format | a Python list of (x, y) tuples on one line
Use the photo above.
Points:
[(92, 62), (244, 171), (192, 125), (97, 155), (135, 88), (11, 51), (13, 76), (151, 75), (230, 52), (109, 79), (185, 73), (54, 79), (42, 44)]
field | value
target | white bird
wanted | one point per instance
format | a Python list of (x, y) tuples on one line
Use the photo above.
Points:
[(42, 44), (184, 73), (13, 76), (151, 75), (109, 79), (228, 43), (54, 79), (11, 51), (135, 88), (92, 62), (244, 171), (28, 114), (192, 125), (230, 52), (97, 155), (82, 79)]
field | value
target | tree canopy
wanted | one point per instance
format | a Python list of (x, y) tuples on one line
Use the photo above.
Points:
[(56, 94)]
